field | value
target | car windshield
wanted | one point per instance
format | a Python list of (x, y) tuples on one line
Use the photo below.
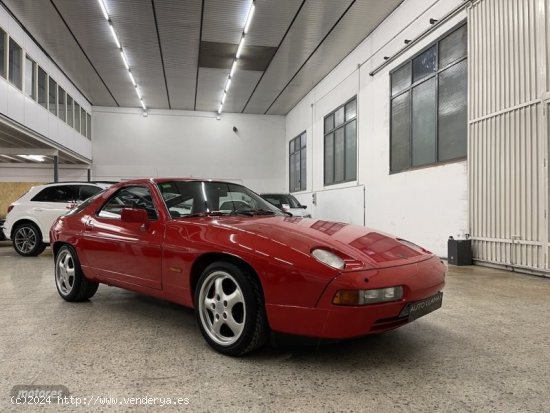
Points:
[(195, 198), (281, 199)]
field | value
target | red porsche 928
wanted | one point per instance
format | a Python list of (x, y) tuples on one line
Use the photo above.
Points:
[(247, 268)]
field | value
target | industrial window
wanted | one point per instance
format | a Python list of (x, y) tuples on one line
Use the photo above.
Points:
[(61, 98), (340, 155), (52, 93), (30, 77), (428, 105), (82, 121), (297, 163), (70, 111), (15, 64), (3, 38), (76, 117), (89, 126), (42, 87)]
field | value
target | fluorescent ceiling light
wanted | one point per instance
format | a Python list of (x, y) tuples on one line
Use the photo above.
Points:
[(227, 84), (132, 78), (114, 35), (143, 105), (223, 97), (103, 9), (37, 158), (124, 60), (240, 48), (249, 19), (220, 108), (233, 67), (138, 93)]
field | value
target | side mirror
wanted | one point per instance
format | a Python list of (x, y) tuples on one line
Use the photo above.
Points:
[(135, 215), (303, 206)]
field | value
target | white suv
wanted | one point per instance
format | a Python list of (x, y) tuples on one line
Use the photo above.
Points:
[(30, 217)]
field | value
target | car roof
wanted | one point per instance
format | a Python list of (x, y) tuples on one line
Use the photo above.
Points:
[(178, 179)]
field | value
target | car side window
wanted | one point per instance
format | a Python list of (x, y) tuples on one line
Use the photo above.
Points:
[(129, 197), (58, 193), (87, 191)]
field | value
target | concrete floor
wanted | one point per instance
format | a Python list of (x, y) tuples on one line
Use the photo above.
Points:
[(486, 350)]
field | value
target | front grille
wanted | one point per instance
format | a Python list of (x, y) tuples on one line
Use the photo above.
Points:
[(389, 323)]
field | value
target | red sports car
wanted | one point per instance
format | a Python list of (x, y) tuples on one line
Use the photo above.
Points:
[(246, 267)]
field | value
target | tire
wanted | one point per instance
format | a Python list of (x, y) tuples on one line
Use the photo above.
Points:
[(27, 240), (230, 311), (70, 281)]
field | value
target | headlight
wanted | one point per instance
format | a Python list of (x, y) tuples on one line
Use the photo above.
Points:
[(364, 297), (328, 258)]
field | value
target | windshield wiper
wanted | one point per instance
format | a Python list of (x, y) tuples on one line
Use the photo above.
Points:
[(251, 212), (204, 214)]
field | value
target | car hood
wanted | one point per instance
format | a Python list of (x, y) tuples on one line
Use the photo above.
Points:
[(360, 247)]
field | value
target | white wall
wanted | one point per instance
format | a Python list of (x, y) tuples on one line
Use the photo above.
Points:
[(423, 205), (20, 108), (179, 143)]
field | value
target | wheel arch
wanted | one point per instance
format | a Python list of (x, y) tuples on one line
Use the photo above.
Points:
[(200, 264), (25, 221)]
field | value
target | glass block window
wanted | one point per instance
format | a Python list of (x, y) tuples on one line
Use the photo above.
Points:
[(428, 105)]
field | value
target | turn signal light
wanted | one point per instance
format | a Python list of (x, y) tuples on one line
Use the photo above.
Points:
[(364, 297)]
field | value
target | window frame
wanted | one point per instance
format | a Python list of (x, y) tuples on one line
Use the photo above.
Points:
[(333, 131), (21, 62), (34, 64), (409, 89), (119, 219), (5, 55), (303, 185)]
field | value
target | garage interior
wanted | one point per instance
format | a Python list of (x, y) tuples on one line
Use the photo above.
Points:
[(427, 119)]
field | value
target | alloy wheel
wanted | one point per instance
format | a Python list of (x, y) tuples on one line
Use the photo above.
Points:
[(25, 239), (65, 272)]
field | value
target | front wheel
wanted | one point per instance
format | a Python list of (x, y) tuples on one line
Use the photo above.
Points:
[(71, 283), (230, 309)]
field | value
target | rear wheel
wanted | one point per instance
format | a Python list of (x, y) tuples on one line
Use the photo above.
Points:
[(230, 309), (27, 240), (71, 283)]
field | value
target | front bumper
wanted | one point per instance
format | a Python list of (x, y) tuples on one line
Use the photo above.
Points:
[(326, 320)]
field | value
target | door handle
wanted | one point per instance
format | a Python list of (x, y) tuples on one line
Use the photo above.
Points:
[(88, 225), (38, 209)]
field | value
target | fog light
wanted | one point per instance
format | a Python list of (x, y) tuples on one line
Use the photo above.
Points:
[(364, 297)]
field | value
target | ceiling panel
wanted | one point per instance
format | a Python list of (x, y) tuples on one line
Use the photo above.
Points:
[(312, 24), (210, 88), (271, 21), (43, 23), (241, 87), (362, 19), (179, 31), (224, 20), (135, 24)]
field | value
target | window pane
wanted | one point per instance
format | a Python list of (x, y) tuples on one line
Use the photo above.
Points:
[(303, 181), (329, 158), (339, 155), (351, 110), (52, 93), (297, 171), (42, 82), (83, 121), (303, 140), (62, 107), (70, 115), (339, 116), (351, 151), (77, 116), (292, 173), (401, 79), (2, 53), (329, 123), (425, 64), (15, 62), (453, 47), (89, 126), (423, 123), (30, 79), (400, 126), (452, 112)]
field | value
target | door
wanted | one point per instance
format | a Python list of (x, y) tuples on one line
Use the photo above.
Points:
[(52, 202), (125, 252)]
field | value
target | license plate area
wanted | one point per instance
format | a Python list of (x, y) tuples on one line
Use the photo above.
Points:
[(421, 308)]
